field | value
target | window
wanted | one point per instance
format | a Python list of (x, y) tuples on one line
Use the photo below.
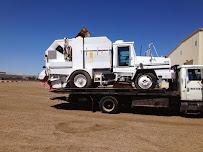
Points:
[(194, 74), (123, 56), (196, 43), (51, 54), (60, 49)]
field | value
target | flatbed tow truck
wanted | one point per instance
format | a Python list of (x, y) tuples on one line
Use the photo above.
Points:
[(185, 94)]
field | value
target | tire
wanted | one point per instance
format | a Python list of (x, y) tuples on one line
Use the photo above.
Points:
[(80, 79), (109, 104), (145, 81)]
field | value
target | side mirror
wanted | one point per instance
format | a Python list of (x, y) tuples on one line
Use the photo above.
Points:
[(44, 67)]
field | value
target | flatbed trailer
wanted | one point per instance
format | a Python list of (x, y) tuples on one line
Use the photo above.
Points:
[(111, 99)]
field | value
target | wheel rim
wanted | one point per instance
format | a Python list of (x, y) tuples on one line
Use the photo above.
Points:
[(80, 80), (145, 82), (108, 105)]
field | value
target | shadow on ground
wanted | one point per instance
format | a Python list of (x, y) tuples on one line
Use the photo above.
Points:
[(73, 106), (87, 106)]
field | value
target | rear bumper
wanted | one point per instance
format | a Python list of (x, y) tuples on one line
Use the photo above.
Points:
[(192, 107)]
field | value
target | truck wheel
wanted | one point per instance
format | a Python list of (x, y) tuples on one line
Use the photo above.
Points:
[(145, 81), (80, 79), (109, 104)]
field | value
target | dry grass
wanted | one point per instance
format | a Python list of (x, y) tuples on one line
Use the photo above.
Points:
[(29, 122)]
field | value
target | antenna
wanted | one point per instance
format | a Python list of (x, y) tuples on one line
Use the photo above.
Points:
[(141, 50)]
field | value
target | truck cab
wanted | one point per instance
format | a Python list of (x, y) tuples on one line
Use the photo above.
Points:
[(144, 71), (191, 87), (123, 57)]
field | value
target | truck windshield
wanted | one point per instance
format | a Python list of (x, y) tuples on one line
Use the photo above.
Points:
[(123, 56), (195, 74)]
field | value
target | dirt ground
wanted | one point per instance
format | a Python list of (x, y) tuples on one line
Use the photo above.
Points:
[(31, 122)]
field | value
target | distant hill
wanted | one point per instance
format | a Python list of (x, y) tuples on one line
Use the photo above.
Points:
[(5, 76)]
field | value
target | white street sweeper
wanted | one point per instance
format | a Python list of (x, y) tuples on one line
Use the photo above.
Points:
[(83, 62)]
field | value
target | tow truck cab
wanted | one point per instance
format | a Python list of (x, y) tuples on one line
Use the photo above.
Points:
[(191, 88)]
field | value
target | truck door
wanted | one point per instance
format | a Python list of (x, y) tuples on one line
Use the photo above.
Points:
[(123, 60), (194, 84)]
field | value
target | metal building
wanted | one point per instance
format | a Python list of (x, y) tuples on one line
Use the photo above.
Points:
[(189, 51)]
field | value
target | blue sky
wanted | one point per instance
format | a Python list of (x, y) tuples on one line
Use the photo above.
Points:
[(28, 27)]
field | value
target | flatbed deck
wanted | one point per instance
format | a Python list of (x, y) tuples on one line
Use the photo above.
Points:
[(116, 91)]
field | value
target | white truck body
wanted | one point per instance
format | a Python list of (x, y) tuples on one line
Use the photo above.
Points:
[(97, 54)]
